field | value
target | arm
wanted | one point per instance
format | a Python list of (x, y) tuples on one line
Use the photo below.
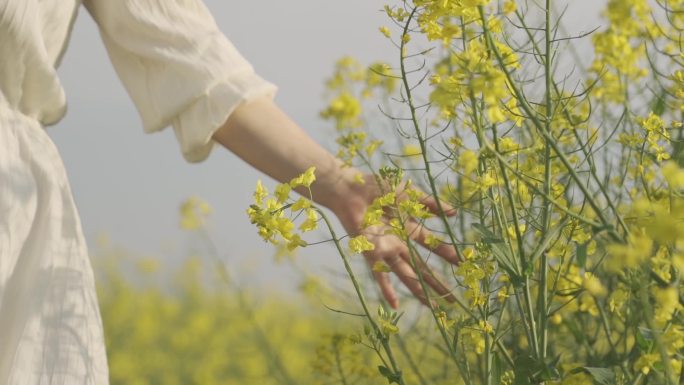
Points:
[(266, 138), (263, 136)]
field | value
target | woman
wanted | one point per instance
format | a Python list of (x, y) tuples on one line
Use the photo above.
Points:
[(180, 71)]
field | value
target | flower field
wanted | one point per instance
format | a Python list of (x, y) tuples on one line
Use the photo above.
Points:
[(565, 170)]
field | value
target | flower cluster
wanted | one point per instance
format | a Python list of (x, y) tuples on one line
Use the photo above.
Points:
[(350, 85), (268, 213), (473, 74), (620, 52)]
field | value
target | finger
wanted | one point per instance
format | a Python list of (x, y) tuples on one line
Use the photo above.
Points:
[(420, 234), (403, 270), (431, 203), (383, 280), (431, 279)]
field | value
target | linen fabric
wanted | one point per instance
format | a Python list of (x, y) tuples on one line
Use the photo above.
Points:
[(179, 70)]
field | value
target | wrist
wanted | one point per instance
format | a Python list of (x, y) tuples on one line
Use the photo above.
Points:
[(345, 195)]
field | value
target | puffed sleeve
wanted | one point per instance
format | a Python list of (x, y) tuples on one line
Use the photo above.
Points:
[(177, 66)]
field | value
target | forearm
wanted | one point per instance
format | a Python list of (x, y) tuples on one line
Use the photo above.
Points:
[(265, 137)]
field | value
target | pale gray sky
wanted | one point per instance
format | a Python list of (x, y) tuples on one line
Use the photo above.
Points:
[(130, 184)]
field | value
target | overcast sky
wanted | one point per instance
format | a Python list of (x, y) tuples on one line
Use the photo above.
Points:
[(129, 184)]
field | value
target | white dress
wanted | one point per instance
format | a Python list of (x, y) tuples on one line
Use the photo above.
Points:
[(180, 71)]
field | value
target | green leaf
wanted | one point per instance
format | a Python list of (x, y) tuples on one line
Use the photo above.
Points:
[(487, 235), (523, 369), (500, 251), (601, 376), (549, 237), (550, 372), (389, 375), (497, 369), (582, 255), (529, 370), (658, 105), (644, 339)]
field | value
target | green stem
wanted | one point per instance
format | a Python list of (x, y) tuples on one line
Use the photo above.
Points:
[(531, 185), (540, 127), (511, 201), (419, 135), (588, 155), (359, 293), (426, 291), (546, 210)]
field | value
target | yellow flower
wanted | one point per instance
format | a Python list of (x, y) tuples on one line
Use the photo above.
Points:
[(486, 181), (414, 209), (674, 175), (385, 31), (667, 302), (373, 217), (359, 244), (345, 110), (282, 192), (468, 253), (509, 7), (311, 222), (495, 114), (486, 327), (468, 161), (388, 328), (306, 179), (474, 339), (621, 256), (593, 285), (193, 212), (387, 199), (444, 320), (502, 294), (511, 230), (372, 147), (433, 241), (412, 151), (285, 227), (381, 267), (617, 300), (350, 145), (294, 242), (260, 193), (646, 362), (301, 204)]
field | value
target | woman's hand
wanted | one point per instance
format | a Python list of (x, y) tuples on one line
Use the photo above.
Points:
[(390, 249), (264, 136)]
